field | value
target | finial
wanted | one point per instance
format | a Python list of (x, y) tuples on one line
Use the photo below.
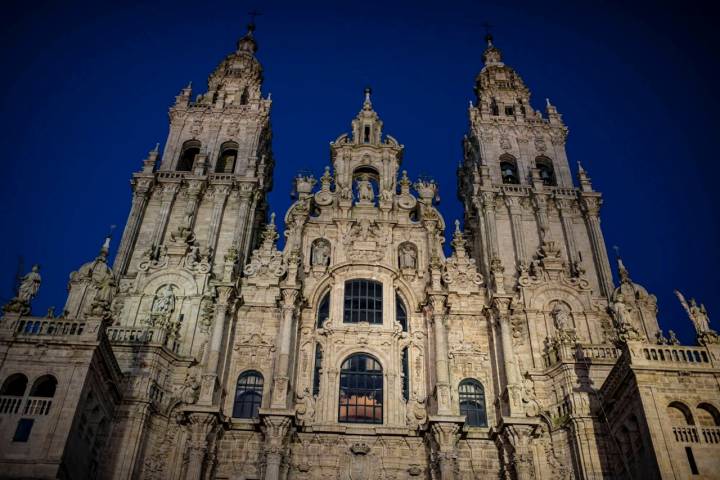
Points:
[(547, 102), (272, 218), (488, 34), (617, 251), (251, 26), (580, 167), (156, 149), (368, 92), (457, 226)]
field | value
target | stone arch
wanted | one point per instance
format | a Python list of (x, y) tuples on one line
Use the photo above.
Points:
[(183, 280), (546, 169), (679, 414), (509, 172), (708, 415), (186, 160), (44, 386), (227, 157), (14, 385)]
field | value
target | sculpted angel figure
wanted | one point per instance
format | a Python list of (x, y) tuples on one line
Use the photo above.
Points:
[(621, 311), (29, 285), (698, 315)]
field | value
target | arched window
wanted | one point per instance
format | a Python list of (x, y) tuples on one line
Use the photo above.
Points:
[(405, 374), (363, 302), (14, 385), (508, 170), (361, 390), (244, 97), (190, 149), (323, 310), (44, 387), (680, 414), (547, 173), (227, 157), (708, 415), (401, 313), (472, 402), (317, 370), (248, 395)]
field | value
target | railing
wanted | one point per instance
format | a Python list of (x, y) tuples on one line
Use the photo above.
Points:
[(37, 406), (597, 352), (686, 434), (49, 327), (571, 192), (10, 405), (171, 174), (711, 434), (221, 177), (676, 354), (510, 188), (142, 336)]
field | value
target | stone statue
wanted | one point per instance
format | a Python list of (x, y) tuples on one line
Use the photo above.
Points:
[(416, 414), (561, 317), (190, 389), (164, 303), (320, 253), (673, 340), (366, 194), (529, 399), (621, 311), (408, 256), (29, 285), (698, 315), (306, 409)]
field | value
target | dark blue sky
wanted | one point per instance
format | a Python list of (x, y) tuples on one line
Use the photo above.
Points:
[(85, 89)]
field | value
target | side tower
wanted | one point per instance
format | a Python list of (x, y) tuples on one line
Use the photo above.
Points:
[(537, 239), (193, 219)]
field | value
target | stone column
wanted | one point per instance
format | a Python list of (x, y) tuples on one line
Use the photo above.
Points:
[(488, 207), (442, 373), (240, 233), (200, 426), (515, 209), (280, 383), (517, 440), (225, 294), (141, 192), (169, 190), (275, 429), (446, 436), (564, 207), (219, 193), (503, 327), (132, 439), (590, 204)]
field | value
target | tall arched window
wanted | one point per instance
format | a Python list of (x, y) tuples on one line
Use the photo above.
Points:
[(708, 415), (361, 390), (401, 313), (190, 149), (317, 369), (14, 385), (508, 170), (680, 414), (44, 387), (472, 402), (227, 157), (248, 395), (363, 301), (323, 310), (547, 173)]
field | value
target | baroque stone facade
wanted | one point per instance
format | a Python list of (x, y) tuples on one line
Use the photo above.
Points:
[(360, 350)]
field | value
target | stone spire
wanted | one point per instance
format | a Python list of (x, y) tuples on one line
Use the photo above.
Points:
[(247, 43)]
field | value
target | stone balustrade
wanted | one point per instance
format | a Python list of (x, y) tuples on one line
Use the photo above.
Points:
[(34, 406), (51, 327), (711, 434), (686, 434), (674, 355), (152, 336), (585, 353)]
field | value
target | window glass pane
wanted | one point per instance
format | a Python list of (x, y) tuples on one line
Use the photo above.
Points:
[(22, 432), (362, 302), (361, 390), (472, 402), (248, 395)]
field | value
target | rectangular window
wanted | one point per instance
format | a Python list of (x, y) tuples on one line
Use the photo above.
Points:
[(691, 461), (363, 302), (317, 370), (22, 432), (509, 111), (366, 135)]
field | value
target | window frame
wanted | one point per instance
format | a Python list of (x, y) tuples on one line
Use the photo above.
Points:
[(359, 304), (254, 390), (363, 383), (475, 416)]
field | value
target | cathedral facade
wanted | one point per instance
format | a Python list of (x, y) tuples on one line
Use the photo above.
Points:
[(361, 350)]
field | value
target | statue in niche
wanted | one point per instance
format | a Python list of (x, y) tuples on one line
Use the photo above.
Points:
[(408, 256), (164, 303), (561, 317), (29, 285), (320, 253), (366, 194)]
